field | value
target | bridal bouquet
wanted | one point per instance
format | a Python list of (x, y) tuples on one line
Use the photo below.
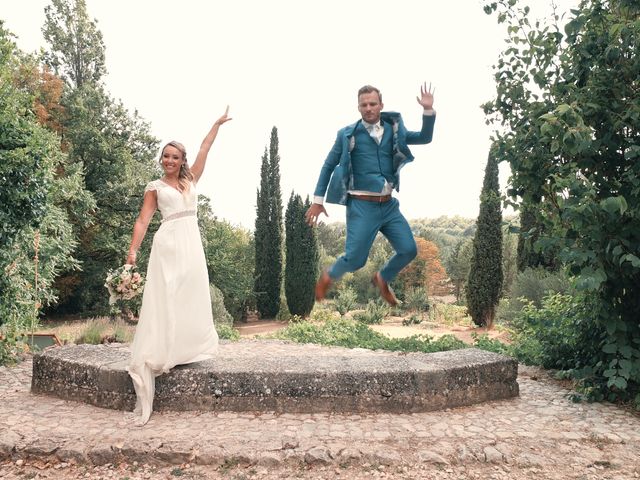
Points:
[(124, 283)]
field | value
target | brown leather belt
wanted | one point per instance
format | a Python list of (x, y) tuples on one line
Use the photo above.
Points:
[(372, 198)]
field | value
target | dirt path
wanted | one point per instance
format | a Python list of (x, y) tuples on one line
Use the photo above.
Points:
[(259, 327)]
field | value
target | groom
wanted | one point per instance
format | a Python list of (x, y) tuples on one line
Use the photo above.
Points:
[(361, 171)]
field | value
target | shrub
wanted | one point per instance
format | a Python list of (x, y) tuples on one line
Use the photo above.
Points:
[(561, 334), (425, 344), (220, 314), (346, 300), (374, 313), (122, 334), (102, 330), (412, 320), (338, 332), (532, 285), (322, 314), (11, 347), (93, 333), (416, 300), (227, 332), (448, 314), (348, 333), (483, 342)]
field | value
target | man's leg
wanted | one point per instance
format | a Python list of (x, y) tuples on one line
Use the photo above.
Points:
[(363, 223), (397, 230)]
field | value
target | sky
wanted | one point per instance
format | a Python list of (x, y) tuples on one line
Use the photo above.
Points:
[(298, 65)]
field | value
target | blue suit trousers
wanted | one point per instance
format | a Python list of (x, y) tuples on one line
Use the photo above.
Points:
[(364, 220)]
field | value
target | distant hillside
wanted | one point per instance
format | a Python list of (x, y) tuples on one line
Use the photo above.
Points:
[(444, 231)]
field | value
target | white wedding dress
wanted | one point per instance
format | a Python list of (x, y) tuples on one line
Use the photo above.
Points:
[(176, 323)]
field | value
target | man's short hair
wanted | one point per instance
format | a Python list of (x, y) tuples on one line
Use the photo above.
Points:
[(369, 89)]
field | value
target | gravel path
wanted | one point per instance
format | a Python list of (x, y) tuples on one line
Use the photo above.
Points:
[(542, 434)]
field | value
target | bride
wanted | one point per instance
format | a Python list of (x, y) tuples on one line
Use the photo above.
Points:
[(176, 323)]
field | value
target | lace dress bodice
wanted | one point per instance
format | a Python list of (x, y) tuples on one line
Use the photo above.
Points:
[(172, 203)]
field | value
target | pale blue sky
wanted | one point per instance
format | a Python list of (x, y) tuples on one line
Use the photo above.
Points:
[(298, 66)]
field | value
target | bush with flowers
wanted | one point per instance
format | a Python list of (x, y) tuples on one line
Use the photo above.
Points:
[(124, 284)]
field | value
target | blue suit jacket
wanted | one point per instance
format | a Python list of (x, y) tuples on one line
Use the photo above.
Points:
[(336, 173)]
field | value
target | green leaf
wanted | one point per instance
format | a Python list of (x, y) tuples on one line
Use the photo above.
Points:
[(614, 30), (610, 348), (626, 351), (629, 257), (625, 368), (632, 152), (619, 382), (614, 204)]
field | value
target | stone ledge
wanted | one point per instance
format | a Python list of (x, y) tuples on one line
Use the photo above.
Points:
[(270, 375)]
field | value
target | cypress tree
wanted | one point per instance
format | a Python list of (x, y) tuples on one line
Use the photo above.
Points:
[(301, 267), (275, 216), (268, 233), (485, 275)]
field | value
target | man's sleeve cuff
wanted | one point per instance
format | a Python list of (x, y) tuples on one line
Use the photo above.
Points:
[(429, 113), (317, 199)]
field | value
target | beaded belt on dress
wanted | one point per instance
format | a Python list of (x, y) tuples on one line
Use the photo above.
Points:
[(184, 213)]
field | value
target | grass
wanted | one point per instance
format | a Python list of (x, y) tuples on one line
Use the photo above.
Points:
[(100, 329), (348, 333), (449, 314), (103, 330)]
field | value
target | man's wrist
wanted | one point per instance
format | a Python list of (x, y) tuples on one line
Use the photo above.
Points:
[(318, 199), (429, 112)]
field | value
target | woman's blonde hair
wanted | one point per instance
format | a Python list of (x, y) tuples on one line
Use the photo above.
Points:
[(185, 177)]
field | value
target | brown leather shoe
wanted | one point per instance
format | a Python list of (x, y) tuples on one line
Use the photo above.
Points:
[(324, 282), (385, 291)]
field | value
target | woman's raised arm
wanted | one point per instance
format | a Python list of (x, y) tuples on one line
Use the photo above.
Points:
[(198, 166)]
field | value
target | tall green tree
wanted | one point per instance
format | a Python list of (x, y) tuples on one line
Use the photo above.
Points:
[(77, 52), (268, 232), (301, 266), (230, 259), (567, 116), (39, 191), (485, 274), (116, 151), (113, 147)]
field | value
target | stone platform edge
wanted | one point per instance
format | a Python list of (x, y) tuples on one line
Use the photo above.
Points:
[(340, 380)]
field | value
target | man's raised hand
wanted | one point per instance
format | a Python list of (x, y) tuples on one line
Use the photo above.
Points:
[(426, 96)]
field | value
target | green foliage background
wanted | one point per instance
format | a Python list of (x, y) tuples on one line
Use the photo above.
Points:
[(567, 119)]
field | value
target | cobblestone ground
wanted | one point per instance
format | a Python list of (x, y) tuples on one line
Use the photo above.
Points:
[(542, 434)]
